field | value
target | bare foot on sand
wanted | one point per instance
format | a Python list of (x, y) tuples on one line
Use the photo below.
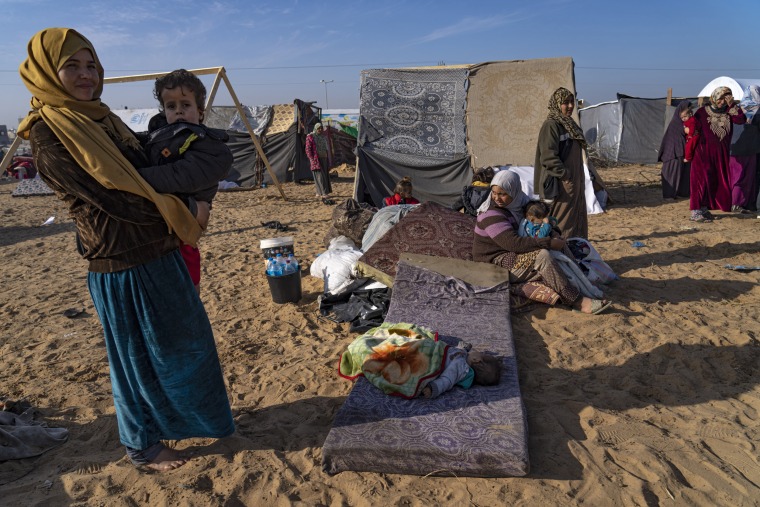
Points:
[(167, 459)]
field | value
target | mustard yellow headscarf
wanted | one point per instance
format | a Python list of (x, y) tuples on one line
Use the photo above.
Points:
[(83, 126)]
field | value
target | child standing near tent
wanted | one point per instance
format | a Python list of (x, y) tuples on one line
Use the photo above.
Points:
[(691, 132), (402, 193), (186, 158)]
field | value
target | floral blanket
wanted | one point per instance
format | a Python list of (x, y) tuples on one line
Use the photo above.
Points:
[(399, 359)]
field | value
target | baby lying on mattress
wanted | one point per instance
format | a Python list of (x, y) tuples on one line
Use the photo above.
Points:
[(407, 360)]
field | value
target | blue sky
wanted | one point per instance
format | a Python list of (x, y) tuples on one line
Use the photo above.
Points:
[(275, 51)]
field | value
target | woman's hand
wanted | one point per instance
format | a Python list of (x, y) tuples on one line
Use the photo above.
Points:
[(557, 244), (203, 213)]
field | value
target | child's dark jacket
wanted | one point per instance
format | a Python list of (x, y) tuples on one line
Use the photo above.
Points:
[(472, 197), (187, 160)]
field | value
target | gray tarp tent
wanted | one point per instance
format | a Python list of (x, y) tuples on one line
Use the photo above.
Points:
[(628, 130)]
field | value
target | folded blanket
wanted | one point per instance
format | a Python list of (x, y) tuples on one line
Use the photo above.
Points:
[(399, 359), (575, 276)]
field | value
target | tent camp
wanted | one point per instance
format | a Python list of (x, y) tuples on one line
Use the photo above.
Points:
[(628, 130), (435, 124), (738, 86)]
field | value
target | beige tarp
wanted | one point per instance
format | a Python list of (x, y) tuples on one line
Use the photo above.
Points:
[(506, 105)]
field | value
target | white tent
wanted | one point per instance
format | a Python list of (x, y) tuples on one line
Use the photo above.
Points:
[(738, 86)]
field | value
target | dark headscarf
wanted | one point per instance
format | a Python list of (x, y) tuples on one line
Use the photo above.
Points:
[(674, 141), (559, 96)]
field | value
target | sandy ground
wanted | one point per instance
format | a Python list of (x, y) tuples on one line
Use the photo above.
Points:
[(654, 403)]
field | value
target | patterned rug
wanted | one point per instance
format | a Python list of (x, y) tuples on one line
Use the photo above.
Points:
[(32, 187), (418, 112)]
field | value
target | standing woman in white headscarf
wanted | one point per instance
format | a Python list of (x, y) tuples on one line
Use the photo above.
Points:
[(527, 258), (559, 154), (166, 378)]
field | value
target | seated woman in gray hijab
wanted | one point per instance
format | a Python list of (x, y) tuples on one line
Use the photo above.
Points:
[(527, 258)]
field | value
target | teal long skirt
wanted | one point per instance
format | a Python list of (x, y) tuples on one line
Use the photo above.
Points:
[(165, 373)]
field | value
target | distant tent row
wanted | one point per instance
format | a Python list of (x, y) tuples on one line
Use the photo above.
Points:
[(629, 130), (435, 124)]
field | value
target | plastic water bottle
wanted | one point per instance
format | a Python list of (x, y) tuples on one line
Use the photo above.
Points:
[(271, 266), (293, 261), (289, 268)]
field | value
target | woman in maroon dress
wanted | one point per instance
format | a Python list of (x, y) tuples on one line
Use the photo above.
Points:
[(710, 184)]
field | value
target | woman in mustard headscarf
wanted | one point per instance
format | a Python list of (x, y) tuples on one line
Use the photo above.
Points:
[(710, 182), (165, 373)]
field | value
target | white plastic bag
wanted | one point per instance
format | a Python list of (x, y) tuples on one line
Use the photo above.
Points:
[(334, 266)]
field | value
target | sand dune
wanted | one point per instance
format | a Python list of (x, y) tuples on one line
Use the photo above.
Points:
[(654, 403)]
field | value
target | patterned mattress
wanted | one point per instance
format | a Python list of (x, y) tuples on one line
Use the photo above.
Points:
[(478, 432)]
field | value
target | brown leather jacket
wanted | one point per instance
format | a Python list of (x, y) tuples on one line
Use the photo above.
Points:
[(117, 230)]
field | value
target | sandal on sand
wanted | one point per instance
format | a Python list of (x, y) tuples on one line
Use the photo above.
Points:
[(597, 307)]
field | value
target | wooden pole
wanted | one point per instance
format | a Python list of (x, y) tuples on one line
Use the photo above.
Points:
[(146, 77), (255, 140), (670, 97), (212, 93), (8, 157)]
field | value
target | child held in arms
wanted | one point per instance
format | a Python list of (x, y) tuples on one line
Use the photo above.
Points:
[(537, 222), (186, 158)]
